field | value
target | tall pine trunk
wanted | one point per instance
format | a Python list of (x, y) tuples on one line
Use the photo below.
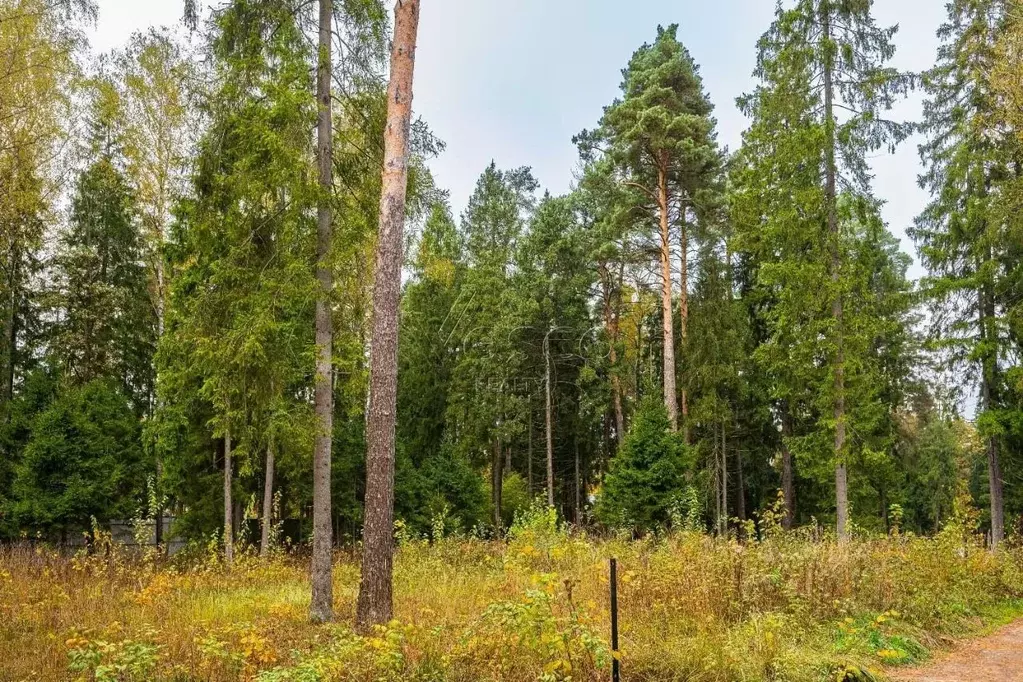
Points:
[(683, 313), (375, 604), (321, 608), (670, 397), (268, 502), (831, 198), (549, 417), (228, 506)]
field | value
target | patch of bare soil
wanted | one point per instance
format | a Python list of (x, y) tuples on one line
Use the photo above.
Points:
[(995, 658)]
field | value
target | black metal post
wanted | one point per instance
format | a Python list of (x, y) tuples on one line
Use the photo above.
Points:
[(615, 671)]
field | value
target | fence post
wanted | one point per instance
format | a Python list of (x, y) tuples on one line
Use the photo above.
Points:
[(615, 669)]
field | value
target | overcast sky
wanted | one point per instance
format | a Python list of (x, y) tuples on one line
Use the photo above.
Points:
[(513, 80)]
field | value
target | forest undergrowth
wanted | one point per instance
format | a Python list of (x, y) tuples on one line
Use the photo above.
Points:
[(790, 606)]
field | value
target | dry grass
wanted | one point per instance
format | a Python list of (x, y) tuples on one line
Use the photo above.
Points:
[(536, 607)]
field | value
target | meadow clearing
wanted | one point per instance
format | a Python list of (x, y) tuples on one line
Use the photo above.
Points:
[(534, 607)]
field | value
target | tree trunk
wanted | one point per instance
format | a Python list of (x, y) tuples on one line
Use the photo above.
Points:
[(496, 484), (997, 493), (683, 310), (578, 485), (831, 197), (718, 512), (787, 478), (549, 419), (724, 478), (375, 605), (321, 608), (11, 327), (989, 369), (158, 521), (228, 506), (670, 398), (529, 452), (268, 502), (611, 322), (740, 483)]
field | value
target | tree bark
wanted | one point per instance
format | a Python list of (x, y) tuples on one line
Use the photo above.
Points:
[(529, 452), (787, 478), (683, 312), (724, 475), (549, 419), (611, 322), (831, 197), (578, 485), (670, 398), (375, 605), (496, 484), (11, 326), (158, 521), (268, 502), (996, 485), (228, 506), (321, 608), (740, 481)]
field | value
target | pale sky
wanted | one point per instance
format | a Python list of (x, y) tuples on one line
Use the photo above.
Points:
[(513, 80)]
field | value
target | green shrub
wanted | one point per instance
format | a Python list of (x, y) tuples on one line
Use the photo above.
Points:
[(648, 474)]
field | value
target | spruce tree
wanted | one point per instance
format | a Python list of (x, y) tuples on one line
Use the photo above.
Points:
[(961, 234), (106, 325), (241, 314), (824, 76)]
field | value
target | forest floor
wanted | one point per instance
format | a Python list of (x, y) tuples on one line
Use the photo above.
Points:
[(995, 658), (532, 607)]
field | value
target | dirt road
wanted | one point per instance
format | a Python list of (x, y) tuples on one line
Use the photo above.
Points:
[(995, 658)]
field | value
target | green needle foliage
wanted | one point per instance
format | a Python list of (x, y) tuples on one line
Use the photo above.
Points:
[(683, 336)]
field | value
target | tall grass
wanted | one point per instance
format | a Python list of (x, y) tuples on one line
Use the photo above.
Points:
[(535, 607)]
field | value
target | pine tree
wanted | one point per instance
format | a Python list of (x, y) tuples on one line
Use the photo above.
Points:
[(661, 138), (375, 605)]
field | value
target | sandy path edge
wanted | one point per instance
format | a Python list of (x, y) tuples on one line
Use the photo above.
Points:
[(995, 657)]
